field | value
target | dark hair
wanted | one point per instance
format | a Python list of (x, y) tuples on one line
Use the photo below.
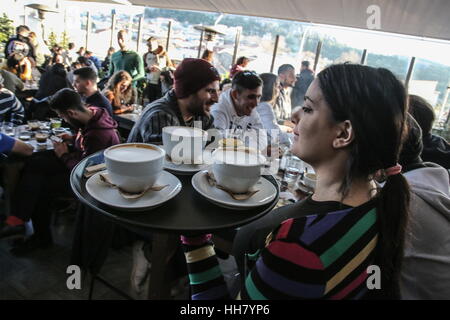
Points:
[(423, 112), (269, 86), (374, 101), (241, 60), (305, 63), (84, 60), (14, 59), (88, 52), (224, 82), (284, 68), (86, 73), (246, 80), (21, 28), (55, 55), (71, 45), (66, 99), (412, 146)]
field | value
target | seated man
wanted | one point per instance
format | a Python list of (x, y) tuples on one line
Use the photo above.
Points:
[(196, 89), (236, 114), (85, 83), (10, 107), (46, 175), (426, 260), (435, 148)]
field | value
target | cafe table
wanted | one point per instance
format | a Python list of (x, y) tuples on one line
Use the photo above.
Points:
[(126, 120), (187, 213)]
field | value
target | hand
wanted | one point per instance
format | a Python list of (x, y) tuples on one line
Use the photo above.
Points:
[(60, 148), (65, 136), (154, 68)]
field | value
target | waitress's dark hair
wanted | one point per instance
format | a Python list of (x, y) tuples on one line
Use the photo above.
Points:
[(375, 103)]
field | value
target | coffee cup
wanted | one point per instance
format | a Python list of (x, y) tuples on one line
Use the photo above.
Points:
[(34, 125), (309, 179), (230, 143), (184, 144), (134, 166), (237, 170), (41, 137)]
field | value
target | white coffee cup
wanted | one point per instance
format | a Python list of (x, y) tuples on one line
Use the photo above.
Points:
[(237, 169), (134, 166), (309, 179), (184, 144)]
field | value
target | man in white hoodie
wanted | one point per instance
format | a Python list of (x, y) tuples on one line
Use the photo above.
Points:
[(426, 265), (235, 114)]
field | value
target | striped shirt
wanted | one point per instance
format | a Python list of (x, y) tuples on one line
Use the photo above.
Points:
[(319, 256), (10, 107), (159, 114)]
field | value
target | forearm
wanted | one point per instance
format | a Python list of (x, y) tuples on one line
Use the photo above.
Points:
[(205, 275)]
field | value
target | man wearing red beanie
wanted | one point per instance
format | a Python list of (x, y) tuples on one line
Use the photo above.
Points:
[(196, 89)]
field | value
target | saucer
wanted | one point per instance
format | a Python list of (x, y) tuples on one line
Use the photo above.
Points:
[(188, 169), (266, 194), (151, 199)]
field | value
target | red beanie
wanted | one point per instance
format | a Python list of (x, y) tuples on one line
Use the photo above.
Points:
[(192, 75)]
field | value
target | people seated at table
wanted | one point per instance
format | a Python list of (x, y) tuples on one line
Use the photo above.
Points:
[(235, 114), (240, 65), (85, 83), (283, 105), (9, 145), (53, 80), (265, 108), (20, 65), (20, 43), (46, 175), (11, 81), (350, 127), (11, 109), (126, 59), (426, 260), (156, 60), (196, 88), (435, 148), (120, 92)]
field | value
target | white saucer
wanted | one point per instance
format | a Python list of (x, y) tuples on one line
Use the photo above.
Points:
[(267, 192), (110, 196), (187, 169)]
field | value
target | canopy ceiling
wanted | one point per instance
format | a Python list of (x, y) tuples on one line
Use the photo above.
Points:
[(420, 18)]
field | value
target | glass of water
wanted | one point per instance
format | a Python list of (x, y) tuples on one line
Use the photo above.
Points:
[(294, 167)]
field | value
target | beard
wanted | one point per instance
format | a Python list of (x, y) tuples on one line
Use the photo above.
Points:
[(197, 107)]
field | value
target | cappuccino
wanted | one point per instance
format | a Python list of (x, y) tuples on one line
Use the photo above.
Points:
[(133, 153)]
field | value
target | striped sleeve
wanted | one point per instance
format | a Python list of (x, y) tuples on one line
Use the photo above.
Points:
[(151, 130), (11, 107)]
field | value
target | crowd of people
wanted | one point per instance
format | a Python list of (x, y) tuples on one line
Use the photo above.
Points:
[(382, 194)]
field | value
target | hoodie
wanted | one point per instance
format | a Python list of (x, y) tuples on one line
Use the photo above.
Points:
[(425, 272), (226, 119), (98, 134)]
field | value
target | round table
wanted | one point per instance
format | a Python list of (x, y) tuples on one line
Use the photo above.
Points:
[(187, 213)]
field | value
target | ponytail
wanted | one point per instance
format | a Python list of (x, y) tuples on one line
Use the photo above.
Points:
[(392, 210)]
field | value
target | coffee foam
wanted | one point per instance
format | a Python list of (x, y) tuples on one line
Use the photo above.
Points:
[(133, 153)]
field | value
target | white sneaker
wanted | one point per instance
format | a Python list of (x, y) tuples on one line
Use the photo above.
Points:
[(140, 270)]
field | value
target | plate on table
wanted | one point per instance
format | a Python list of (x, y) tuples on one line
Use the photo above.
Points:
[(188, 169), (266, 194), (103, 193)]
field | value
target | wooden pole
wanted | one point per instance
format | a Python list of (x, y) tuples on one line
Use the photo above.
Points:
[(275, 49), (237, 41), (169, 30), (318, 49), (200, 45), (88, 30), (364, 57), (113, 28), (410, 72), (139, 37)]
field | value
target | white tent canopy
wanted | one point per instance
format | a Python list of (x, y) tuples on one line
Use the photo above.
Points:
[(420, 18)]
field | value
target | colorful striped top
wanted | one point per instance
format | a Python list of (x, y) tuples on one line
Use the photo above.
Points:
[(321, 256)]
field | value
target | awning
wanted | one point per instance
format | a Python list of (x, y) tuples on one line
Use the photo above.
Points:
[(420, 18)]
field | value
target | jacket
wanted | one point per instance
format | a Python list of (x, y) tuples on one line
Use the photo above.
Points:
[(425, 272), (98, 134)]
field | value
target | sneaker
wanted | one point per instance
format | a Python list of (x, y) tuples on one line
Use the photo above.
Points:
[(141, 267)]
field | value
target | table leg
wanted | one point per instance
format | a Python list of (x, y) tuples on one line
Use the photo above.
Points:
[(163, 248)]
